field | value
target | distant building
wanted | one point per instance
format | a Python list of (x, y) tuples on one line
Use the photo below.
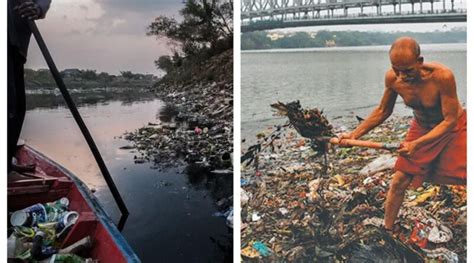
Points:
[(275, 36), (330, 43)]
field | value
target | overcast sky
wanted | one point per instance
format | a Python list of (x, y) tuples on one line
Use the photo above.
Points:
[(109, 35), (106, 35)]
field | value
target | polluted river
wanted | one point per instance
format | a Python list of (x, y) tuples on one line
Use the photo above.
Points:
[(302, 202), (170, 210)]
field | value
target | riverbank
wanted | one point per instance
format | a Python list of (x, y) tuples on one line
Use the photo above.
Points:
[(197, 123), (195, 132), (292, 210)]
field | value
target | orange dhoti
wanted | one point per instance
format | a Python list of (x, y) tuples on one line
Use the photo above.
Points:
[(445, 156)]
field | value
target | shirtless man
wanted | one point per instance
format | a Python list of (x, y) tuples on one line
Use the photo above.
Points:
[(435, 147)]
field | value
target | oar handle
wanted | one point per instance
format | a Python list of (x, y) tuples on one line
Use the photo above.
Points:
[(367, 144)]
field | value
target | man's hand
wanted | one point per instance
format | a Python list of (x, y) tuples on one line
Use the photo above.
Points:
[(408, 148), (343, 136), (29, 9)]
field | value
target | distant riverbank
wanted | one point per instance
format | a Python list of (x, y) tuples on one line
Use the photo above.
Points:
[(273, 40)]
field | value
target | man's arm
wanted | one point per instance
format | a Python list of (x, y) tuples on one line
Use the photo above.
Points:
[(382, 112), (450, 109)]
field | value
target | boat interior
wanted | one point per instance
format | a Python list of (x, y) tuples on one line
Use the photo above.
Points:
[(48, 183)]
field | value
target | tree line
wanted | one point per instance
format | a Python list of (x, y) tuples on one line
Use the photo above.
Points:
[(204, 30), (262, 40), (42, 78)]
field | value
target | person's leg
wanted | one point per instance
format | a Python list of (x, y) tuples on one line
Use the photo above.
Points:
[(16, 101), (395, 195)]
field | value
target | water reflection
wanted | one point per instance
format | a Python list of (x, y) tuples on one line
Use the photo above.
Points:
[(126, 97), (170, 211)]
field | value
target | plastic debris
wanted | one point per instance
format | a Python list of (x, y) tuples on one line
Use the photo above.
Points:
[(442, 254), (256, 217), (373, 221), (440, 234), (304, 213), (244, 197), (250, 252), (261, 248), (38, 229), (382, 163)]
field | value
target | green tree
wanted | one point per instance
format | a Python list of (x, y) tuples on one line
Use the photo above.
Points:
[(205, 30), (89, 74)]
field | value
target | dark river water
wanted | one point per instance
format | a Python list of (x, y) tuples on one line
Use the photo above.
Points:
[(343, 81), (171, 214)]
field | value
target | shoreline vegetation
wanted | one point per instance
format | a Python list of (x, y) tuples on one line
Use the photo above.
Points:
[(260, 40), (41, 81)]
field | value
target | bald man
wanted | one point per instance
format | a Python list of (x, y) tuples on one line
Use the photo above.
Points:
[(434, 149)]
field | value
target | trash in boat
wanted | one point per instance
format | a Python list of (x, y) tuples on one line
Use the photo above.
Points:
[(39, 229)]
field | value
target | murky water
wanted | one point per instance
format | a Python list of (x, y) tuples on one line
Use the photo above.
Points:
[(344, 82), (170, 212)]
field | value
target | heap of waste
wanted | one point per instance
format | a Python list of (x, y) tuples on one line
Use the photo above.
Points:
[(199, 130), (37, 232), (195, 130), (293, 211)]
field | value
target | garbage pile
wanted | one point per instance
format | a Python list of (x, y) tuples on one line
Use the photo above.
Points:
[(200, 131), (196, 130), (310, 123), (291, 212), (38, 231)]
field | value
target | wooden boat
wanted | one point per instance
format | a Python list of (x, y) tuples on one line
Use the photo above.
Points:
[(50, 182)]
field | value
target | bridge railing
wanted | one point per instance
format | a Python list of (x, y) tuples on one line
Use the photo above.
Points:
[(257, 8), (247, 22), (306, 16)]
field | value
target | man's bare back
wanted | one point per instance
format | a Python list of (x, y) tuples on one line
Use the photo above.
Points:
[(424, 95)]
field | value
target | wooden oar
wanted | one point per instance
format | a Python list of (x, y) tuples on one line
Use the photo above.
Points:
[(77, 117), (367, 144)]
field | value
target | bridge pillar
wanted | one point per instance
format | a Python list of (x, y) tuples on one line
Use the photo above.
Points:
[(412, 7), (432, 10), (400, 6), (421, 6), (452, 5), (444, 6), (332, 12), (394, 8), (361, 9)]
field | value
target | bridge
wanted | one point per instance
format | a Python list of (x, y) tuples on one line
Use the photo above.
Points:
[(271, 14)]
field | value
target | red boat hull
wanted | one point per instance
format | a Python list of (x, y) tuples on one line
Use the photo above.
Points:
[(50, 182)]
